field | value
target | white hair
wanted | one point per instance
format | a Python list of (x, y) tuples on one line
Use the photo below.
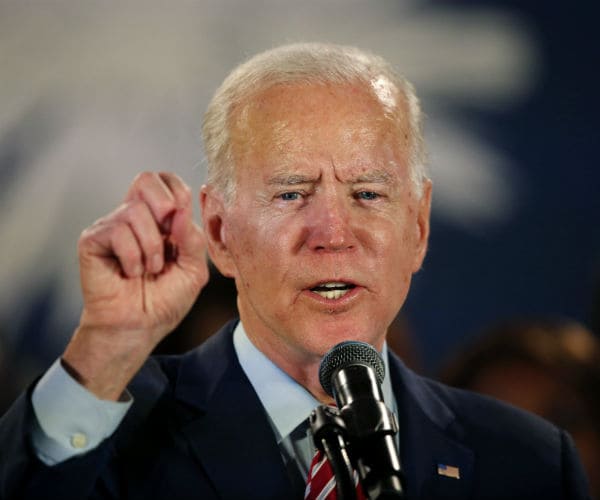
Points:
[(308, 64)]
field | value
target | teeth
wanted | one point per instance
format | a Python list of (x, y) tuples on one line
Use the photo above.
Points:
[(332, 294), (333, 289), (333, 284)]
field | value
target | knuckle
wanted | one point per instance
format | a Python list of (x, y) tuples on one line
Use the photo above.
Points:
[(163, 204), (86, 237), (141, 182), (164, 207), (123, 242), (133, 209), (178, 187), (131, 254), (155, 246), (84, 240), (85, 234), (144, 177), (118, 230)]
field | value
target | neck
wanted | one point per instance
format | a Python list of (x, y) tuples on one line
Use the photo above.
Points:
[(301, 366)]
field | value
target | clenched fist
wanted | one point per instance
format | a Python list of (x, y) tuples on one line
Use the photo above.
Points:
[(142, 266)]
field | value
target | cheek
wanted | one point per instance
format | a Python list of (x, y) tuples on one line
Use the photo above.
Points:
[(388, 240), (257, 247), (392, 248)]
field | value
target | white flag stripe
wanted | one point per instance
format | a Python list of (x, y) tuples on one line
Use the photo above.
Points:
[(448, 471)]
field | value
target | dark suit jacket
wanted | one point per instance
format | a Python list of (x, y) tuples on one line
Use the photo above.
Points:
[(198, 430)]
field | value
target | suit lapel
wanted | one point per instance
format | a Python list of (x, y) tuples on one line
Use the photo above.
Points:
[(431, 450), (228, 431), (230, 434)]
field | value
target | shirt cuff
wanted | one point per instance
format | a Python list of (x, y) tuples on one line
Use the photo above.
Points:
[(70, 419)]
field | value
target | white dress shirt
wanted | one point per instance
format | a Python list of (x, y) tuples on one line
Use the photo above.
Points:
[(72, 421)]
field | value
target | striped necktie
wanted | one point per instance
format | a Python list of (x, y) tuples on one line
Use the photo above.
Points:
[(321, 484)]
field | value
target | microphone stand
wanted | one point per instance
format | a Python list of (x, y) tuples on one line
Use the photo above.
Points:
[(352, 372), (329, 434), (370, 429)]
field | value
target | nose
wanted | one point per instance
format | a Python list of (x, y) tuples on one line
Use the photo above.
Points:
[(329, 227)]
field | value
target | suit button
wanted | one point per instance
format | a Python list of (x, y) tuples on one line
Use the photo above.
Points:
[(79, 440)]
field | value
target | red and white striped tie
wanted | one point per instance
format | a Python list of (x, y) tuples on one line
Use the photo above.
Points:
[(321, 481)]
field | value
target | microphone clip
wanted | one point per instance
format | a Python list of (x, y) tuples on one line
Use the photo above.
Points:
[(330, 437)]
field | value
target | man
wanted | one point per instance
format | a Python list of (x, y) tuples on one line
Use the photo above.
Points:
[(317, 204)]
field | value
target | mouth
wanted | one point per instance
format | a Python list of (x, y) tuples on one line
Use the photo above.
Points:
[(332, 290)]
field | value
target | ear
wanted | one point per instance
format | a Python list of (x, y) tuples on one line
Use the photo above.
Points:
[(215, 227), (422, 225)]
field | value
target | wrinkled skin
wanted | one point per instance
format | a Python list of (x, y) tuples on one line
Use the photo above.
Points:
[(322, 195), (134, 291)]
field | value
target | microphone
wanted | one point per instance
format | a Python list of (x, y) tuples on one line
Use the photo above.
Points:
[(352, 372)]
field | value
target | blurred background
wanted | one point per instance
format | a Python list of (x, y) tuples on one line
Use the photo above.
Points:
[(508, 301), (93, 92)]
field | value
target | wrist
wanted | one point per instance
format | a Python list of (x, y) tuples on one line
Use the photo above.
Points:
[(105, 361)]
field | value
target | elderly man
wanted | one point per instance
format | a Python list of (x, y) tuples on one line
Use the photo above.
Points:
[(317, 204)]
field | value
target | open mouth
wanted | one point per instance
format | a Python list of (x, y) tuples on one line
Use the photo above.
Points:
[(332, 290)]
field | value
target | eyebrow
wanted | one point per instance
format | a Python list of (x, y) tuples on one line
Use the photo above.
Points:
[(374, 177), (290, 180)]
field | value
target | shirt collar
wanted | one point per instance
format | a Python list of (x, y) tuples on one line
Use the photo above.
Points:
[(287, 403)]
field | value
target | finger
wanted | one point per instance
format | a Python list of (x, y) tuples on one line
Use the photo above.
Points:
[(138, 216), (127, 250), (149, 187), (186, 237), (192, 257), (114, 240), (189, 238), (181, 192)]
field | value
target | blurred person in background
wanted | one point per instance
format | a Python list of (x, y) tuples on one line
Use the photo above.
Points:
[(595, 314), (8, 384), (548, 367), (401, 340), (215, 305)]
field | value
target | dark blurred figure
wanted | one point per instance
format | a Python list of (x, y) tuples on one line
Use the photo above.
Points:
[(215, 305), (10, 380), (400, 339), (4, 386), (595, 313), (551, 368)]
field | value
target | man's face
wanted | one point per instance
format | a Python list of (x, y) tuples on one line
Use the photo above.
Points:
[(325, 230)]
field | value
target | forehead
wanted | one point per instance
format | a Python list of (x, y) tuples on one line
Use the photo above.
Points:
[(295, 123)]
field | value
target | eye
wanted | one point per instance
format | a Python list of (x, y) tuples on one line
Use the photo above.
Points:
[(290, 196), (367, 195)]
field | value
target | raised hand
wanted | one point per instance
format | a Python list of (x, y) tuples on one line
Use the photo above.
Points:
[(142, 266)]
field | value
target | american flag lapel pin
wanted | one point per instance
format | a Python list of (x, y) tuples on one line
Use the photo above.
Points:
[(448, 471)]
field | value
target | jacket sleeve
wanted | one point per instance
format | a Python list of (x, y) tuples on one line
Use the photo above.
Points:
[(24, 476)]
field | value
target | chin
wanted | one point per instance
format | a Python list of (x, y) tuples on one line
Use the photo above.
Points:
[(329, 337)]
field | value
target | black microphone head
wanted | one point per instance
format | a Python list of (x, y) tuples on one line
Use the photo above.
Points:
[(344, 354)]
